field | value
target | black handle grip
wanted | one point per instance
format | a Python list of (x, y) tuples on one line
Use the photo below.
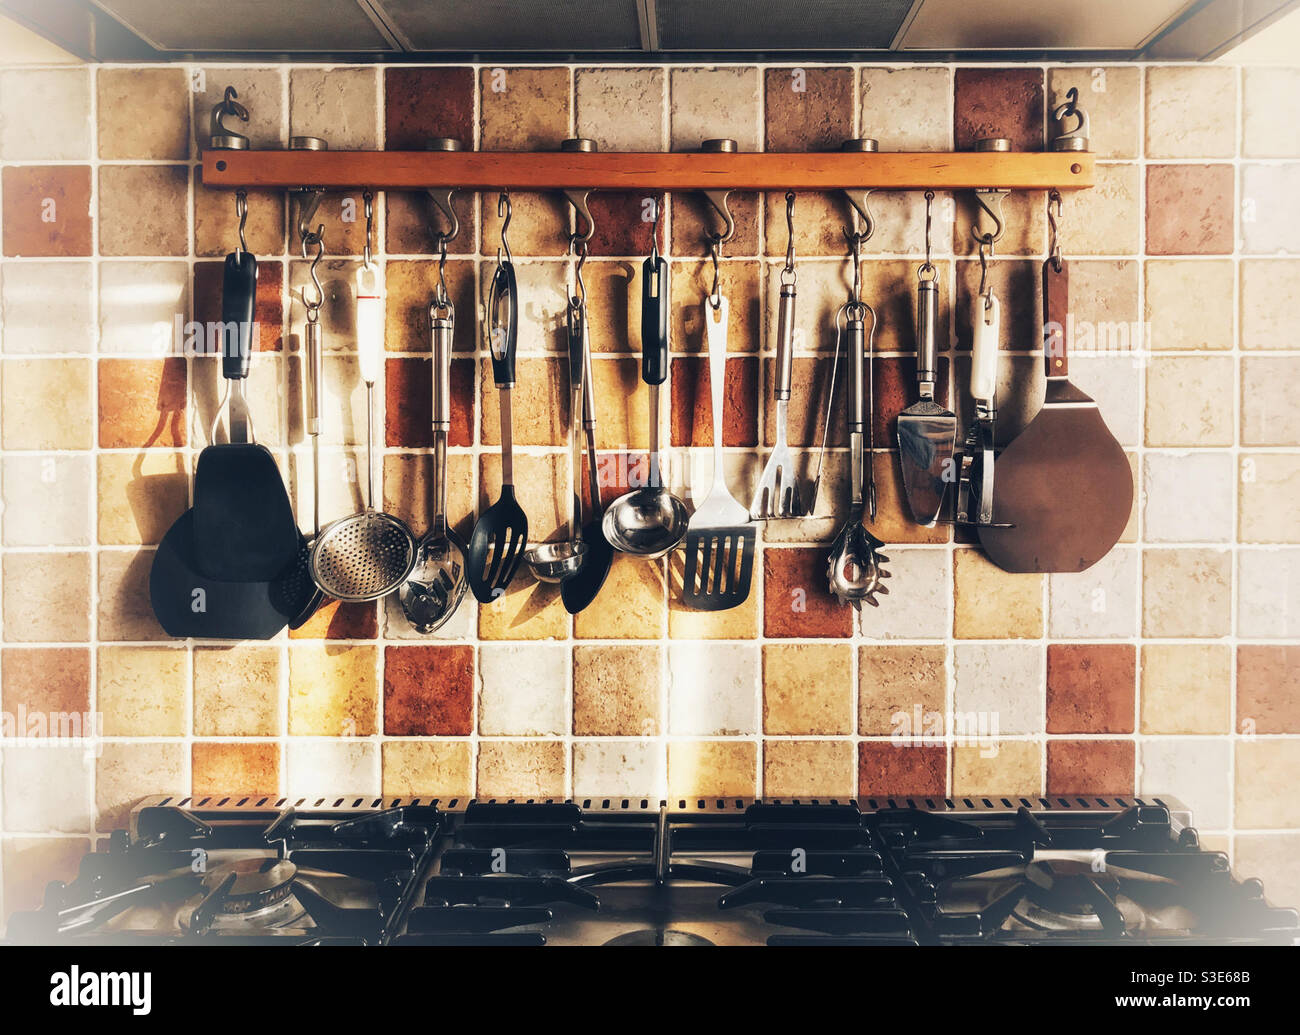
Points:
[(238, 298), (654, 320), (503, 324)]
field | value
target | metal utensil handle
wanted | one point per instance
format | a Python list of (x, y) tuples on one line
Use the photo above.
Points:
[(654, 320), (927, 349), (857, 371), (315, 353), (238, 299), (715, 324), (784, 342), (442, 330), (580, 387)]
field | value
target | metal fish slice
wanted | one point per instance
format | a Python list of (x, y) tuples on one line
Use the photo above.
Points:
[(720, 537), (927, 432)]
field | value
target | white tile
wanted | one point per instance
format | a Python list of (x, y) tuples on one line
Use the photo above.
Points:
[(525, 688), (712, 689), (139, 303), (619, 767), (46, 500), (1268, 594), (48, 308), (919, 605), (44, 114), (319, 766), (46, 788), (1188, 497), (1114, 383), (1003, 683), (1099, 603), (1194, 770)]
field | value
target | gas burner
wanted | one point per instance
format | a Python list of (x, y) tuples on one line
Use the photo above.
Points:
[(653, 936), (248, 894)]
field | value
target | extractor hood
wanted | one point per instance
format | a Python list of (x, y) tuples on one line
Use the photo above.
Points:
[(654, 30)]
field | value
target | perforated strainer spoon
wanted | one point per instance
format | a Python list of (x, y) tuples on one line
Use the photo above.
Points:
[(369, 554)]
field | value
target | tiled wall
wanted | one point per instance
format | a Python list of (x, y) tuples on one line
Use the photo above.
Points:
[(1169, 666)]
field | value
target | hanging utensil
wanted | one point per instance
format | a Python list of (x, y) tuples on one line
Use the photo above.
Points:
[(1064, 482), (650, 521), (369, 554), (777, 496), (243, 523), (500, 535)]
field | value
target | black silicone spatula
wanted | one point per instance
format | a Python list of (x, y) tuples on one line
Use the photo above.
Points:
[(244, 529)]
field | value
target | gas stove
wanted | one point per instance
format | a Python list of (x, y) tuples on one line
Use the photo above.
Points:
[(619, 871)]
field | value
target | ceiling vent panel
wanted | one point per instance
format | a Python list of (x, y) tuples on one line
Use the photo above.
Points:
[(560, 26), (250, 26), (779, 25), (1015, 25)]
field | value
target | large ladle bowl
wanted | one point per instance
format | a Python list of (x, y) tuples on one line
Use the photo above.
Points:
[(647, 522)]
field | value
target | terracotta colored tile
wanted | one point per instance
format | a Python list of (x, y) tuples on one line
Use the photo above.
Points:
[(223, 768), (123, 584), (126, 772), (637, 587), (1090, 687), (1265, 779), (47, 210), (993, 604), (525, 689), (336, 620), (1112, 97), (1267, 681), (140, 496), (237, 692), (712, 768), (1103, 767), (338, 104), (520, 769), (686, 623), (907, 108), (808, 768), (408, 405), (1269, 211), (807, 689), (1271, 113), (1185, 401), (45, 680), (523, 109), (1189, 303), (997, 767), (621, 225), (528, 610), (617, 691), (141, 691), (268, 312), (142, 210), (216, 225), (692, 402), (47, 114), (412, 220), (998, 102), (1189, 209), (693, 219), (31, 863), (409, 287), (420, 103), (807, 109), (1191, 112), (796, 599), (886, 769), (706, 103), (332, 691), (1186, 687), (141, 403), (46, 597), (894, 681), (424, 768), (428, 691), (604, 96), (143, 113), (1186, 593)]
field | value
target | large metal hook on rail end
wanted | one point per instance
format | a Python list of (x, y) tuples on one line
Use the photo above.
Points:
[(720, 200), (441, 197), (859, 197), (220, 137), (580, 198)]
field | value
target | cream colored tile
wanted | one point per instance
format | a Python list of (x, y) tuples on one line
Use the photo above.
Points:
[(1189, 303), (141, 691), (1191, 112), (603, 97), (1268, 497), (1186, 687), (1187, 403), (713, 102), (993, 604)]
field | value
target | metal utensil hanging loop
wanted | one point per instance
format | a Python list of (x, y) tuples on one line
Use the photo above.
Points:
[(1054, 227), (927, 270)]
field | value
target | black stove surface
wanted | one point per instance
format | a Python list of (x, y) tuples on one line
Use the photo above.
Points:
[(620, 871)]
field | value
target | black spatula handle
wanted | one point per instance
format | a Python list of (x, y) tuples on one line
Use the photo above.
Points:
[(654, 320), (503, 324), (238, 298)]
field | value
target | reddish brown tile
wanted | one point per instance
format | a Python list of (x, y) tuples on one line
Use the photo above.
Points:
[(224, 768), (1090, 766), (409, 403), (49, 680), (796, 601), (621, 225), (47, 210), (340, 621), (999, 102), (1190, 209), (141, 403), (692, 402), (420, 103), (887, 768), (1090, 687), (428, 691), (268, 312), (1268, 688), (808, 109)]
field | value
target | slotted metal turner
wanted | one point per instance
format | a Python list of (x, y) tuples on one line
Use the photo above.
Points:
[(720, 537)]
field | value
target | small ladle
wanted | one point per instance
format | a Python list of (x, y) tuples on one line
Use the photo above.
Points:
[(650, 521)]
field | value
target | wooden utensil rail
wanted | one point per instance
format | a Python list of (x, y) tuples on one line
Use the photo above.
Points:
[(611, 170)]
